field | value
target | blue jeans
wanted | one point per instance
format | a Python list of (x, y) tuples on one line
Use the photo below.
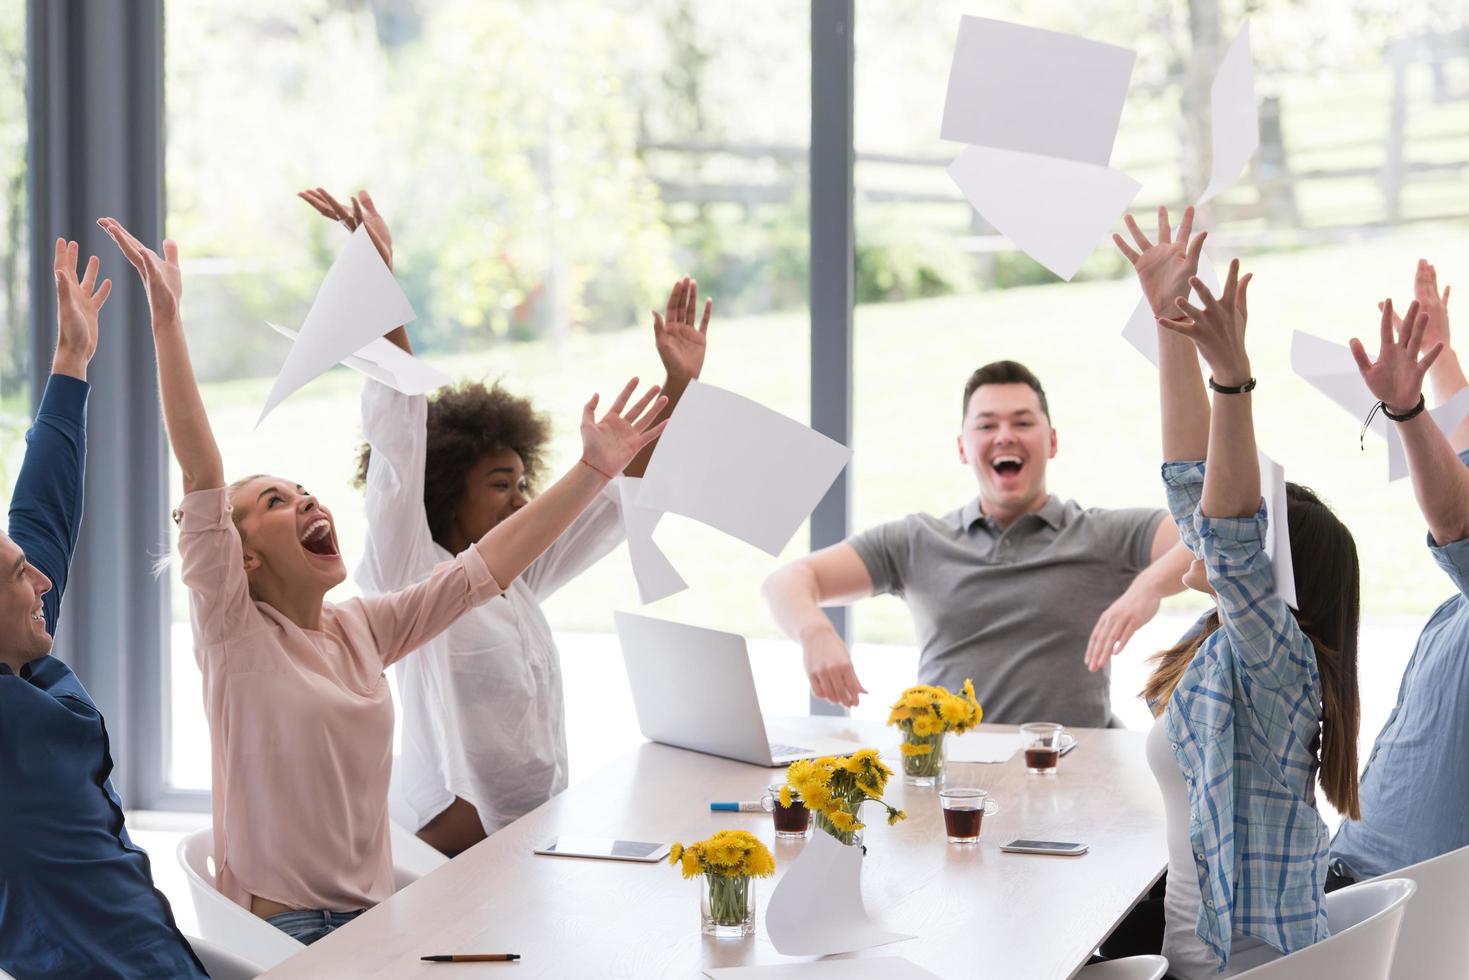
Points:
[(308, 925)]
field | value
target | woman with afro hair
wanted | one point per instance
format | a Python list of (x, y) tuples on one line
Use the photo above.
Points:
[(484, 730)]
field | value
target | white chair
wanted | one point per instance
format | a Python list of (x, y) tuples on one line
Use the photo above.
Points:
[(1433, 943), (236, 930), (222, 922), (1129, 968), (221, 964), (1364, 923)]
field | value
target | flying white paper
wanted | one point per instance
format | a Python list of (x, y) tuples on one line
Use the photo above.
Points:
[(1055, 210), (1013, 87), (1277, 531), (655, 574), (980, 746), (386, 362), (358, 302), (876, 968), (735, 465), (1447, 417), (1235, 122), (816, 908), (1142, 330)]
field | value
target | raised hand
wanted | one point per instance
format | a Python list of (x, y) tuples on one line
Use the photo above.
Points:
[(362, 212), (681, 344), (1396, 377), (1218, 330), (1164, 267), (161, 277), (609, 445), (77, 307)]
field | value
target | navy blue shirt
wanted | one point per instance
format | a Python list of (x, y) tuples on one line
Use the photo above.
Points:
[(76, 896)]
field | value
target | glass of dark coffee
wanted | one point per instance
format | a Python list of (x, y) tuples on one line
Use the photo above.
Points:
[(964, 812), (1042, 743), (792, 821)]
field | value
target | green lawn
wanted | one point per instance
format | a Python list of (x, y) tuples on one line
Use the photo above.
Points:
[(911, 362)]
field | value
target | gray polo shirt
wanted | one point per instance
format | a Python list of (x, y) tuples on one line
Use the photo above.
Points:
[(1013, 608)]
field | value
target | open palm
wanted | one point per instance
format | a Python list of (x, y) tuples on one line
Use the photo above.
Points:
[(1396, 377), (78, 302), (610, 444), (162, 280), (680, 338), (1164, 267)]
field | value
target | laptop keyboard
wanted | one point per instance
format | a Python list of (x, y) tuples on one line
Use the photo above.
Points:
[(777, 750)]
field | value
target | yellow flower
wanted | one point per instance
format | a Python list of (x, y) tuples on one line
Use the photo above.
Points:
[(916, 748), (675, 852), (785, 796), (895, 815), (843, 821), (692, 866)]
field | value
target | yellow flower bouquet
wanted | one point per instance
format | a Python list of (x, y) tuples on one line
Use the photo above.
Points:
[(925, 714), (834, 788), (728, 862)]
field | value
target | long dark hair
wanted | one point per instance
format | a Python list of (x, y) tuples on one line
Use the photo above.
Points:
[(1328, 597)]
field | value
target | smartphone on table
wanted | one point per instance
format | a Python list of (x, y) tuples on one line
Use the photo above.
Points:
[(1026, 846)]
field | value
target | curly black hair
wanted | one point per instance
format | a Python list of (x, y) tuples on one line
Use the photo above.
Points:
[(466, 423)]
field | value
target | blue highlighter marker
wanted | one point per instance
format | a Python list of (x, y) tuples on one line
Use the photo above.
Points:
[(741, 807)]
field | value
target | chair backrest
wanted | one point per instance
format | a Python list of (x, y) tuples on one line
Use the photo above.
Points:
[(1130, 968), (221, 964), (223, 922), (412, 858), (1364, 929), (1433, 943)]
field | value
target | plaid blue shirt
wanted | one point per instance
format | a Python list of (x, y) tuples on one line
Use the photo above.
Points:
[(1243, 724)]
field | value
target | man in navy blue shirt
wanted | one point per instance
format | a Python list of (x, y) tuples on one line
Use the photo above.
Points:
[(76, 896)]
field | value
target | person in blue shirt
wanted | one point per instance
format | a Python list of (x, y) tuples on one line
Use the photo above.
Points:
[(76, 896), (1415, 788), (1260, 698)]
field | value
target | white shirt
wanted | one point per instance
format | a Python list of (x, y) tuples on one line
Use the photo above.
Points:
[(1188, 957), (483, 716)]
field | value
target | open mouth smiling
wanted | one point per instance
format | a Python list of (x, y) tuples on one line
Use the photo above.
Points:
[(1007, 465), (317, 539)]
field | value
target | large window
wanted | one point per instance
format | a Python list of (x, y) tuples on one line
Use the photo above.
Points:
[(1360, 172), (547, 171), (15, 335)]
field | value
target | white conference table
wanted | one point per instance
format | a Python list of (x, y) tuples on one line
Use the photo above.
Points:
[(976, 911)]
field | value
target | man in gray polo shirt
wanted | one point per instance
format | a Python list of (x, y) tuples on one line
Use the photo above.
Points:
[(1027, 594)]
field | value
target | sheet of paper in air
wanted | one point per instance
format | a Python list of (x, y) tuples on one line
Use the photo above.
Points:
[(386, 362), (358, 302), (721, 457), (1447, 417), (816, 908), (1055, 210), (1277, 534), (1013, 87), (654, 573), (981, 746), (1142, 331), (875, 968), (1235, 116)]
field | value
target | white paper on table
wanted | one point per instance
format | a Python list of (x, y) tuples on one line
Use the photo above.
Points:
[(654, 573), (1447, 417), (1013, 87), (980, 746), (718, 462), (816, 908), (1235, 116), (875, 968), (386, 362), (358, 302), (1142, 329), (1277, 529), (1056, 211)]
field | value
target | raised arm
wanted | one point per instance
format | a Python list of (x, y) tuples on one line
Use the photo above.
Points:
[(46, 503), (681, 346), (183, 410), (796, 592), (362, 212), (1164, 269), (1440, 480), (608, 446), (1232, 478)]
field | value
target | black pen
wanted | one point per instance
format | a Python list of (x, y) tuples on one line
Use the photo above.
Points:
[(471, 958)]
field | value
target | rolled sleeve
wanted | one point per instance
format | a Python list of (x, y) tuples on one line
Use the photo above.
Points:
[(1453, 558), (1184, 482)]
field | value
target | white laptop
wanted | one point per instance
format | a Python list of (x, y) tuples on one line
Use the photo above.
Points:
[(692, 688)]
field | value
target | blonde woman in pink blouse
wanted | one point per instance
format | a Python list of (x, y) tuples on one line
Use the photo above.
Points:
[(300, 718)]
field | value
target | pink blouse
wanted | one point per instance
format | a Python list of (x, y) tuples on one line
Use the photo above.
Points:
[(301, 721)]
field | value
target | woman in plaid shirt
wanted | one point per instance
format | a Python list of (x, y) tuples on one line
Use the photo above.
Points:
[(1259, 697)]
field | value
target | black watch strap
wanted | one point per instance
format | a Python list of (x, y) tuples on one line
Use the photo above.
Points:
[(1232, 390)]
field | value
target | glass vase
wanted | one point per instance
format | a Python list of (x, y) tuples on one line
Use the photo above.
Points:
[(727, 905), (923, 759), (852, 838)]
